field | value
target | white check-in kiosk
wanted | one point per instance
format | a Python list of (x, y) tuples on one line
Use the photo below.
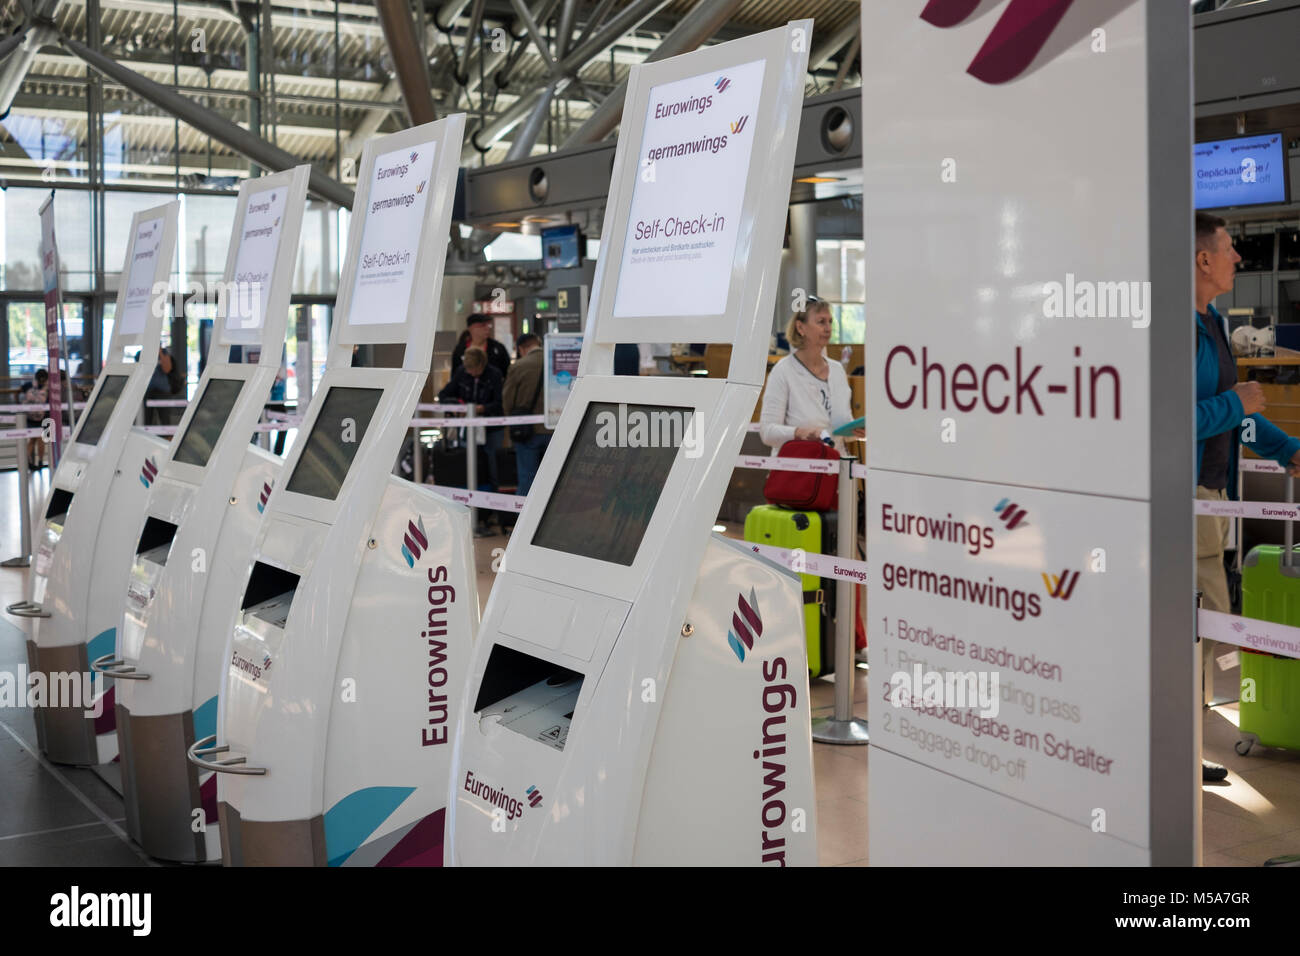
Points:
[(351, 635), (83, 554), (195, 539), (639, 693)]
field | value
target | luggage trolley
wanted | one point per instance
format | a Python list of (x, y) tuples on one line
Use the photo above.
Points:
[(196, 538), (640, 691), (83, 553), (348, 645)]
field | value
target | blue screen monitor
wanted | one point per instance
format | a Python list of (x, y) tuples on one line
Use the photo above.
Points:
[(1245, 171), (562, 247)]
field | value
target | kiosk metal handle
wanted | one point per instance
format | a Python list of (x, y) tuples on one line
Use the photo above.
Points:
[(117, 668), (202, 748), (27, 609)]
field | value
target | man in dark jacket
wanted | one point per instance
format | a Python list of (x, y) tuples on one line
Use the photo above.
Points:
[(167, 382), (478, 335), (1227, 413), (476, 383), (524, 389)]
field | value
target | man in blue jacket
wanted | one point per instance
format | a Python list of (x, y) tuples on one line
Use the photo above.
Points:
[(1223, 409)]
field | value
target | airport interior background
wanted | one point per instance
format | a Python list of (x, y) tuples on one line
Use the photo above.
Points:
[(115, 106)]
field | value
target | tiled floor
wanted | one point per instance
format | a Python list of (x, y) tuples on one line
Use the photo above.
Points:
[(68, 816)]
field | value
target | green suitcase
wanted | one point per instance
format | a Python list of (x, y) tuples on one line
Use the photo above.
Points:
[(1270, 699), (784, 528)]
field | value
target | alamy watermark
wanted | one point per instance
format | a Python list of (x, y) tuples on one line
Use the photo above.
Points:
[(1085, 299), (638, 427), (55, 689), (241, 299), (957, 689)]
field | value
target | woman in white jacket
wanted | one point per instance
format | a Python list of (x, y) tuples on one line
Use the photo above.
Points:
[(807, 395)]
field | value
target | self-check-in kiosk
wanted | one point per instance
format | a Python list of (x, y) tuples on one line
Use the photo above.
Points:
[(350, 638), (639, 693), (196, 536), (99, 489)]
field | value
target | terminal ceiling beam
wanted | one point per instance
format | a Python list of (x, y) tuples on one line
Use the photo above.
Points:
[(564, 31), (15, 67), (481, 139), (631, 17), (497, 59), (204, 120), (705, 19), (539, 41), (532, 128), (475, 21), (408, 61), (444, 18), (824, 51)]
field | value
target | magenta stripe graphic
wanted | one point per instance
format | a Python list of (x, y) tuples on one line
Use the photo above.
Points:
[(948, 13), (1017, 38)]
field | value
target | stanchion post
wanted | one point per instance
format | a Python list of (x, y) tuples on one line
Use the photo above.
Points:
[(843, 727), (417, 458), (471, 467)]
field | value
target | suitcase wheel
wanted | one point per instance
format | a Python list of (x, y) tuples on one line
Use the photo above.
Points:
[(1246, 744)]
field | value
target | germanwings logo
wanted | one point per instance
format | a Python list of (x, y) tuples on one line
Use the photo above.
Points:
[(414, 541), (266, 496), (739, 124), (1018, 36), (1061, 586), (149, 472), (746, 625), (420, 188), (721, 84), (1011, 513)]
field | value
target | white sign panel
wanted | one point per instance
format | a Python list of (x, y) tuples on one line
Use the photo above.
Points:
[(1017, 305), (987, 661), (256, 258), (139, 277), (399, 193), (1009, 330), (685, 213)]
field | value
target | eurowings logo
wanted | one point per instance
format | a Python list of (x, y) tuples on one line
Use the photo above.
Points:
[(1061, 586), (266, 663), (721, 84), (265, 497), (1238, 626), (414, 155), (1019, 35), (1011, 513), (739, 124), (149, 472), (534, 796), (414, 541), (746, 624)]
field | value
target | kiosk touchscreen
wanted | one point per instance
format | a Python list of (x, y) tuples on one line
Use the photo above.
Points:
[(195, 537), (96, 497), (640, 694), (348, 642)]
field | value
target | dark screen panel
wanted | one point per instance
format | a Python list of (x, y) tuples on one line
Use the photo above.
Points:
[(612, 479), (326, 457), (96, 420), (209, 418)]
